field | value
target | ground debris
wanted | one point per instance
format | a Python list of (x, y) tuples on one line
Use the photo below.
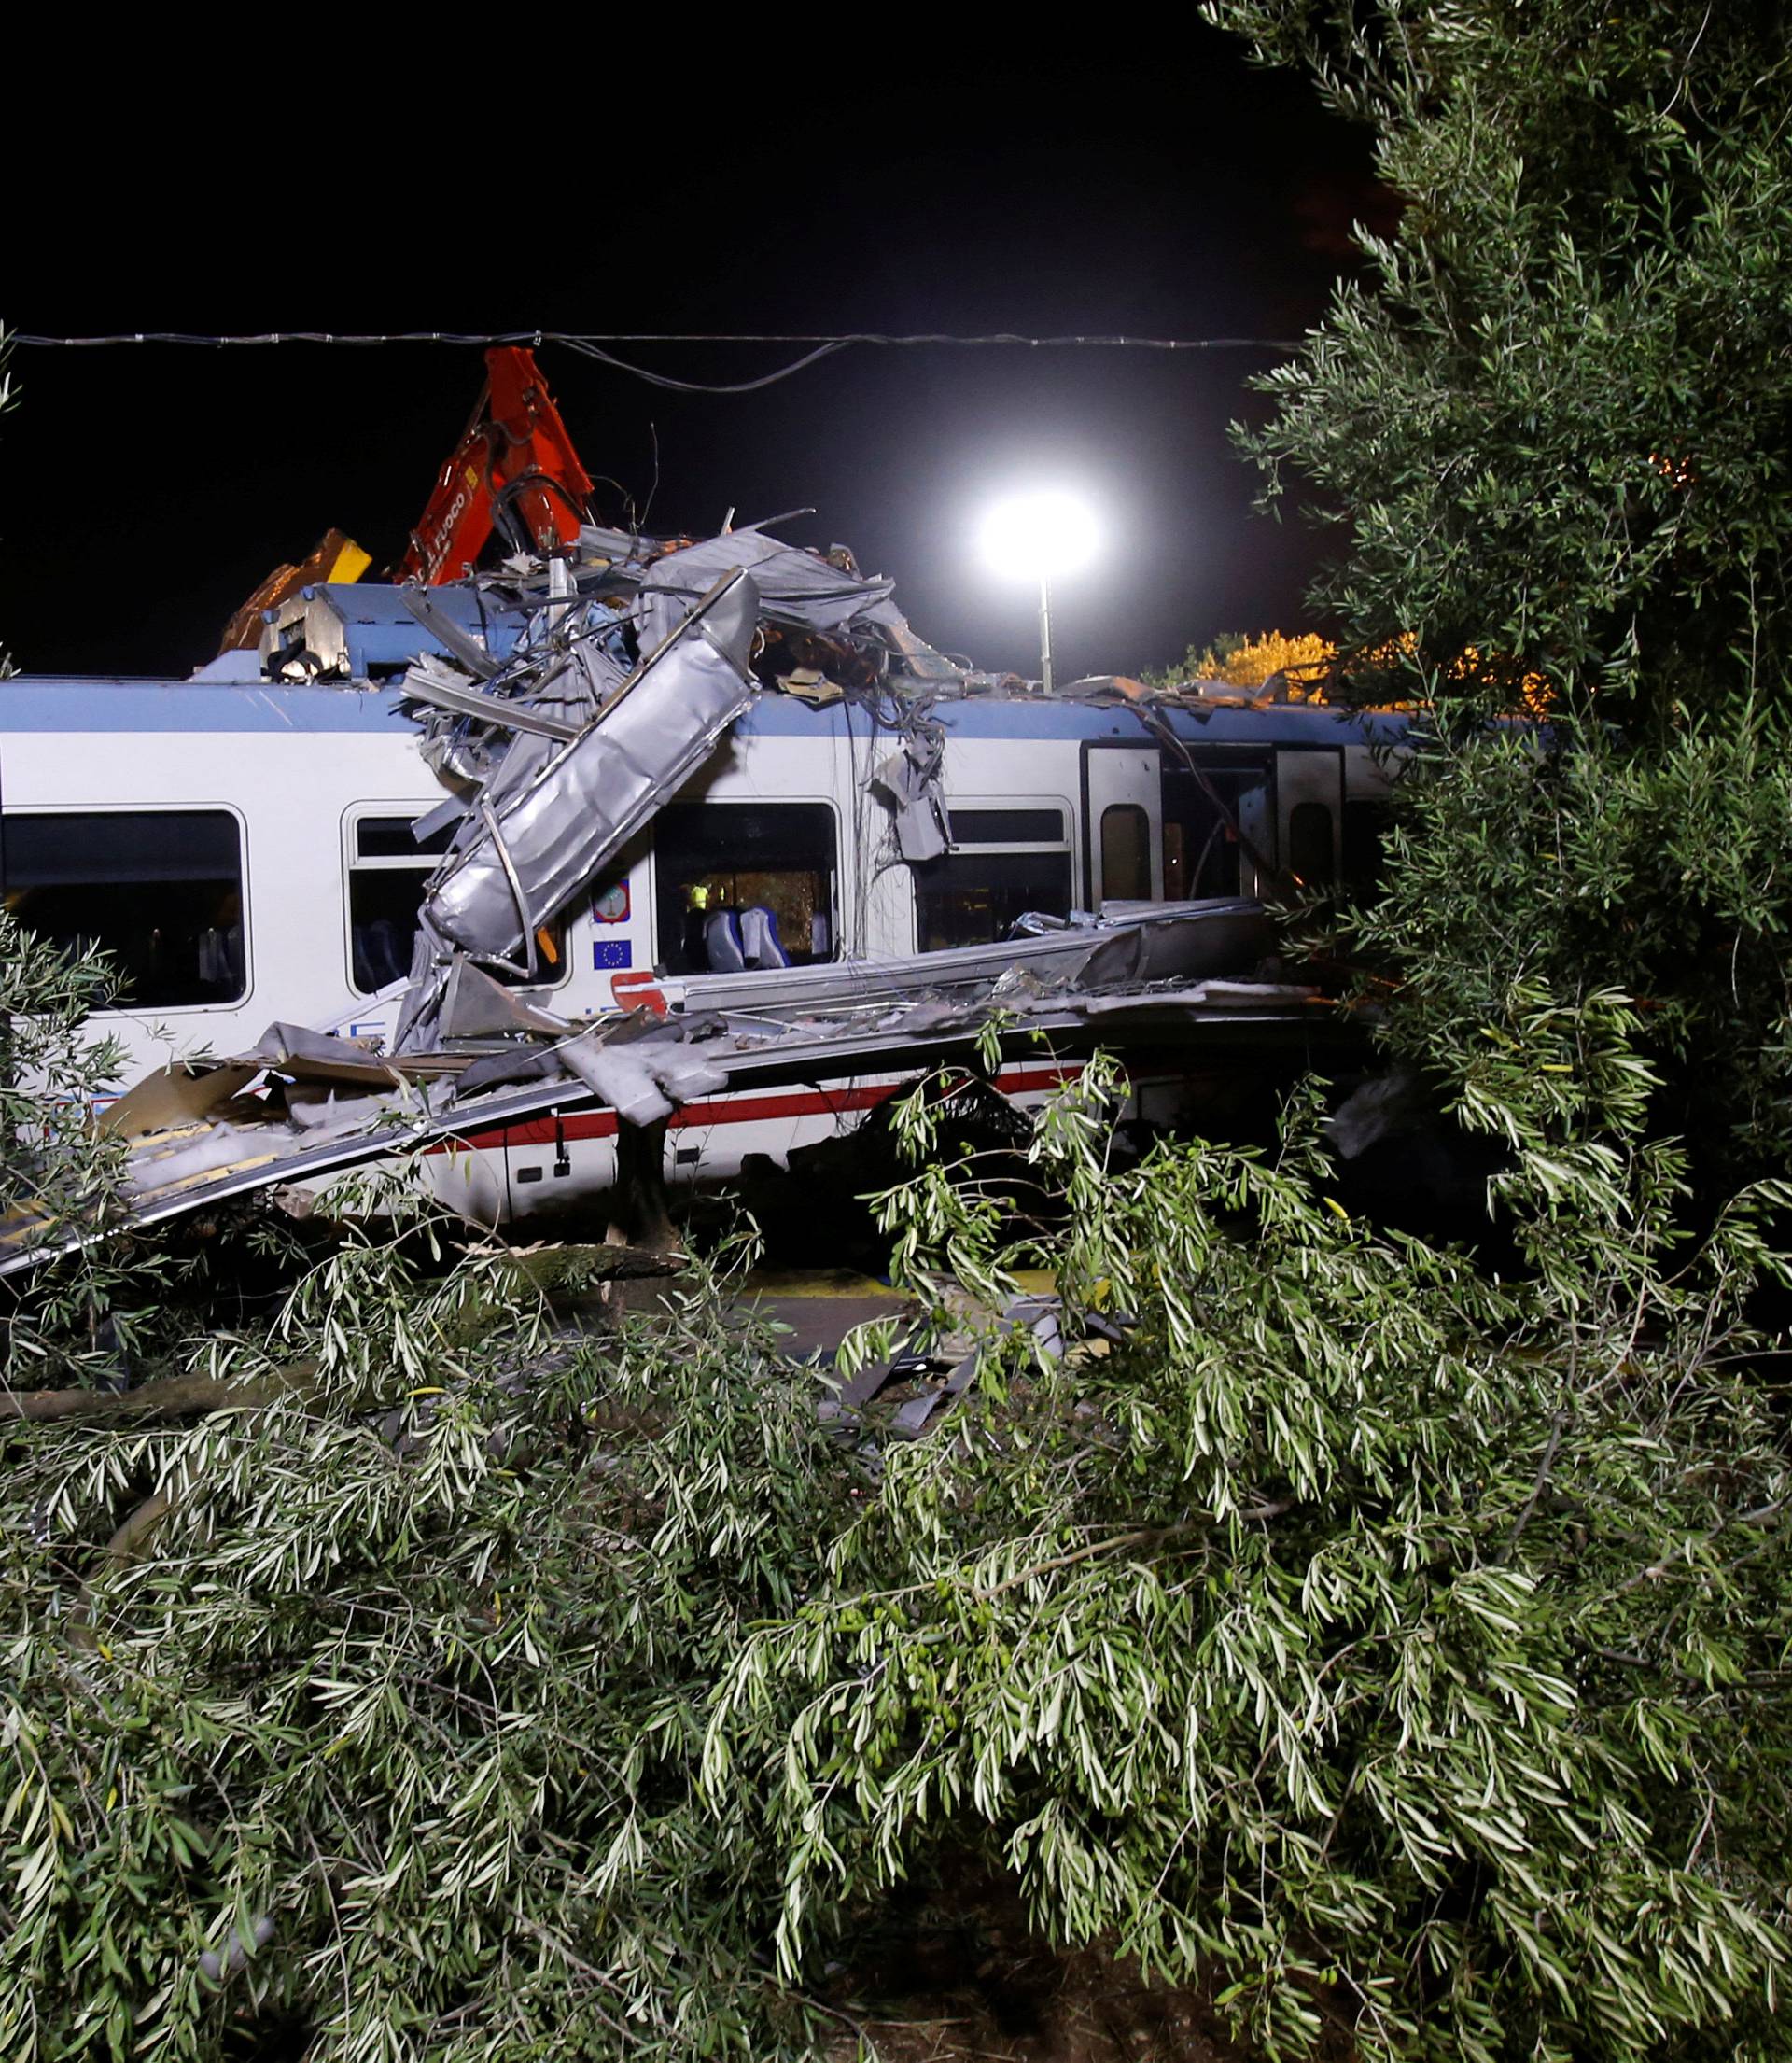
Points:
[(968, 1981)]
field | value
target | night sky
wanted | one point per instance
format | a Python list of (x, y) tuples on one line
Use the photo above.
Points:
[(1180, 192)]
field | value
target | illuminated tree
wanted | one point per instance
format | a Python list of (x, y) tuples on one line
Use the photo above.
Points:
[(1553, 421), (1551, 429)]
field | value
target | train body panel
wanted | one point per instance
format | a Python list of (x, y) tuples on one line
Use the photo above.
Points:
[(244, 850)]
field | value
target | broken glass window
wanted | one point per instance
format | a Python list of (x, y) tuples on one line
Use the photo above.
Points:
[(1200, 845)]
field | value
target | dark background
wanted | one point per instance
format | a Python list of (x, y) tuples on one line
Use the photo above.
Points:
[(650, 178)]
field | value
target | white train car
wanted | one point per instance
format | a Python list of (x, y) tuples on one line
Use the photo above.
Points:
[(245, 852)]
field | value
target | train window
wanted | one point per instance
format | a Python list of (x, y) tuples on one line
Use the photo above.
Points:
[(972, 898), (1125, 853), (1365, 827), (1200, 827), (159, 890), (745, 884), (388, 869), (396, 839), (1006, 826), (1310, 843)]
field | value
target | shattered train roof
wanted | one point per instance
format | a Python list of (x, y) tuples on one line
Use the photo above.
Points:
[(814, 607)]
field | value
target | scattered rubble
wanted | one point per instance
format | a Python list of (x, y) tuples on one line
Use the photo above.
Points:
[(323, 1105)]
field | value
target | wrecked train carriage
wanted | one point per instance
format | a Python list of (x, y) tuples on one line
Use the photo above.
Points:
[(258, 848)]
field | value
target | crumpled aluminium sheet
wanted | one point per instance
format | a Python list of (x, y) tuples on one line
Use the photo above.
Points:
[(541, 838), (793, 585), (599, 741), (552, 795), (644, 1070), (644, 1081), (910, 780)]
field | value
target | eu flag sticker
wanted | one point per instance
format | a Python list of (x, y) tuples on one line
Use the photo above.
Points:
[(611, 952)]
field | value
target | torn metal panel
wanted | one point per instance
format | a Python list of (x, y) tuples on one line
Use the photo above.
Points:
[(910, 781), (514, 1064), (1040, 1315), (849, 1398), (643, 1066), (474, 1006), (471, 651), (432, 683), (793, 586), (1151, 942), (441, 818), (539, 846), (296, 1054), (674, 1060), (307, 1056)]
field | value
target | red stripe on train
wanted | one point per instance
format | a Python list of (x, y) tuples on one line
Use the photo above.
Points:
[(744, 1109)]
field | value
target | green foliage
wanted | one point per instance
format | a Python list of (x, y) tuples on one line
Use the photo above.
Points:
[(1402, 1651), (54, 1165), (1552, 421), (1662, 874), (1552, 424), (1245, 662), (397, 1688), (1389, 1648), (1199, 663), (1396, 1650)]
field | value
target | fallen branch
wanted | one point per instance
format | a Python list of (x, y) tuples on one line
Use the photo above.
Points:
[(131, 1540), (554, 1271), (575, 1962), (177, 1397), (1141, 1536), (1537, 1488)]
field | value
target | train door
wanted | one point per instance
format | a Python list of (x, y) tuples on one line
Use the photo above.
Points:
[(1123, 819), (1219, 829), (1309, 813)]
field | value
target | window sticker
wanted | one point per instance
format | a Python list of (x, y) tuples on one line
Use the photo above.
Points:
[(611, 952)]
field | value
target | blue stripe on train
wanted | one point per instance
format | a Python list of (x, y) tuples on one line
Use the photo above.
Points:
[(76, 703)]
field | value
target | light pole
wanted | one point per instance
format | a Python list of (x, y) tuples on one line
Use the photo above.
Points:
[(1035, 537)]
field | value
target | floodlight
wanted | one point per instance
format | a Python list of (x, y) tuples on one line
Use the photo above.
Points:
[(1037, 537)]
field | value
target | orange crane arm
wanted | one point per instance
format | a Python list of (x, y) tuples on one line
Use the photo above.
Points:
[(514, 470)]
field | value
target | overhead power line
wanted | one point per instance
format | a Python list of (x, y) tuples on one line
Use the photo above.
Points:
[(592, 344)]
